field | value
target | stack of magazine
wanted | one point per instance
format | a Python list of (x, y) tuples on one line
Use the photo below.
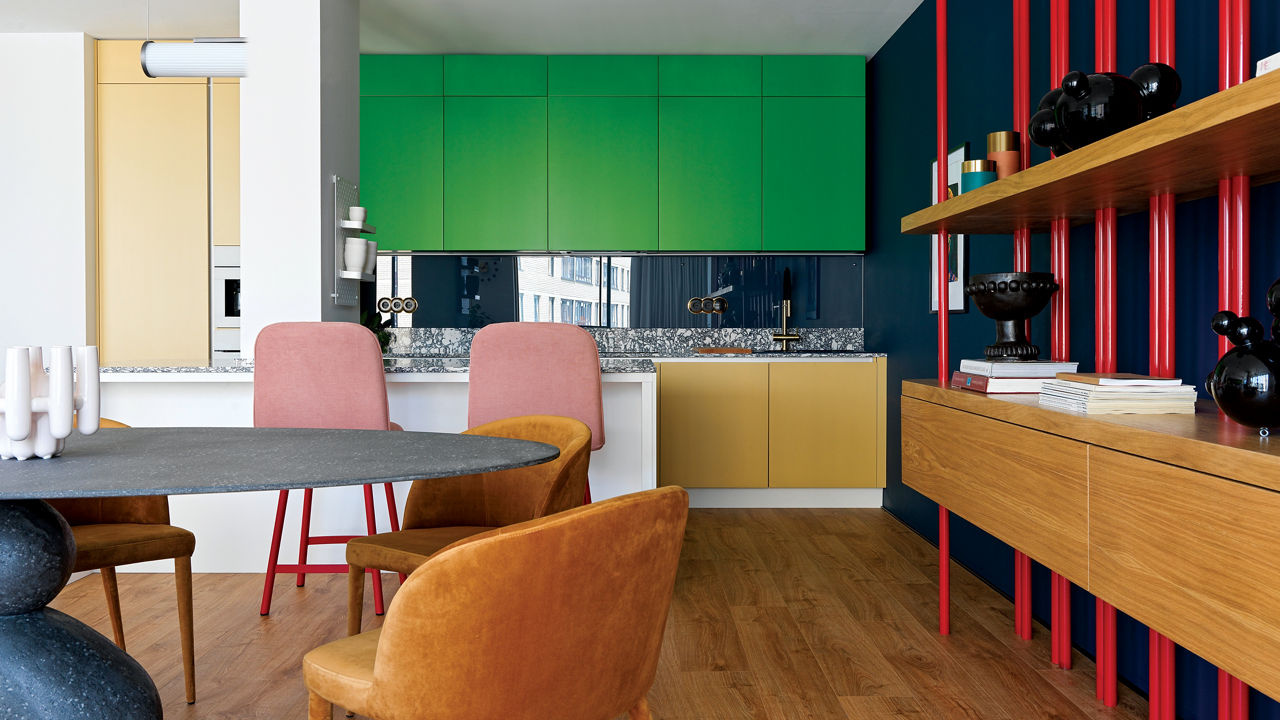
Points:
[(1117, 393)]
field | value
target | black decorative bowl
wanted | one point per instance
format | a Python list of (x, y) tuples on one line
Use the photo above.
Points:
[(1011, 298)]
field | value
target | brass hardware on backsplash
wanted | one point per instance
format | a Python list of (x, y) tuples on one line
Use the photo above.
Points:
[(785, 337), (397, 305), (708, 305)]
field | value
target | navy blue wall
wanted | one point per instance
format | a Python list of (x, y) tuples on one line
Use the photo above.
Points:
[(902, 143)]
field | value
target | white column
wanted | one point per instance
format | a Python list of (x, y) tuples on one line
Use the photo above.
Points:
[(48, 190), (299, 125)]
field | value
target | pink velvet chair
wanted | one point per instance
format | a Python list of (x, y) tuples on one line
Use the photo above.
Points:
[(319, 375), (528, 368)]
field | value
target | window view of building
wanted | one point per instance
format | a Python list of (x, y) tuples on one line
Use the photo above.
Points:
[(575, 289)]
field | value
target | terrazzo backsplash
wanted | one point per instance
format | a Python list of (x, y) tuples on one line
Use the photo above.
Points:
[(661, 342)]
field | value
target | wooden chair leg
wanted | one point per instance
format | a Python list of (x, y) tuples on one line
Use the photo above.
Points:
[(318, 708), (112, 592), (186, 626), (355, 599), (640, 711)]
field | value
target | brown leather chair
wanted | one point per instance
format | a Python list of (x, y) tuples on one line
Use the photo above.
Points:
[(441, 511), (560, 617), (116, 531)]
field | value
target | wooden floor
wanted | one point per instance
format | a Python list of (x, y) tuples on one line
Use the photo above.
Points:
[(777, 614)]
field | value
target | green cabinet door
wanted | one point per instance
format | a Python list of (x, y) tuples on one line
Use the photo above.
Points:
[(401, 170), (709, 174), (401, 75), (814, 174), (495, 173), (495, 75), (604, 173)]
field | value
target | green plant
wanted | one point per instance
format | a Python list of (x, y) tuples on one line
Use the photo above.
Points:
[(379, 329)]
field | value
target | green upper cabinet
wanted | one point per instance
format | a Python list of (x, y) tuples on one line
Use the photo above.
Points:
[(495, 75), (604, 173), (495, 173), (709, 75), (401, 170), (814, 174), (709, 174), (401, 75), (621, 75), (815, 75)]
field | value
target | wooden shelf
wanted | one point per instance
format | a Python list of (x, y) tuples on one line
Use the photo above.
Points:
[(1185, 152), (1204, 441)]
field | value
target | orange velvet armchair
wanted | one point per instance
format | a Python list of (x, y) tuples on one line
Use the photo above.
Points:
[(441, 511), (115, 531), (560, 617)]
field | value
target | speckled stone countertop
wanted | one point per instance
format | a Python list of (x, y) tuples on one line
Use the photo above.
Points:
[(392, 365), (622, 350)]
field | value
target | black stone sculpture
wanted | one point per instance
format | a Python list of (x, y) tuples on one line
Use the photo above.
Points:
[(1087, 108), (52, 666), (1011, 299), (1243, 383)]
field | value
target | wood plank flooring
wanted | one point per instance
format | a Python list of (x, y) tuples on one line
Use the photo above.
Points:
[(777, 615)]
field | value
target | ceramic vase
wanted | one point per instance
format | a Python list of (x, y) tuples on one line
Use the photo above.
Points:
[(38, 406)]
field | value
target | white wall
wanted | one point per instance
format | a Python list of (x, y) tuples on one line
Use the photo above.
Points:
[(299, 124), (48, 253)]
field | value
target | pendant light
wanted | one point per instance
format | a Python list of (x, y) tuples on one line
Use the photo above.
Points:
[(203, 57)]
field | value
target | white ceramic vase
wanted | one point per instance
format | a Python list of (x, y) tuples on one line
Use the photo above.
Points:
[(354, 254), (38, 406)]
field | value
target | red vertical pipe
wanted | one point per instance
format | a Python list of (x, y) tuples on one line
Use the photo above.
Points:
[(944, 517), (1105, 218), (1233, 255), (1022, 115), (1060, 312), (1022, 261), (1105, 344)]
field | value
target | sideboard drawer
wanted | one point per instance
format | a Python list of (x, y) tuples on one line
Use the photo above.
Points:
[(1193, 556), (1026, 487)]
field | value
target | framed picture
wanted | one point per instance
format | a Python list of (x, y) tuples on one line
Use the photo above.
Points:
[(957, 270)]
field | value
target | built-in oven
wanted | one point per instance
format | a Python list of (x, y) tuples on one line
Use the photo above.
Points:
[(225, 304)]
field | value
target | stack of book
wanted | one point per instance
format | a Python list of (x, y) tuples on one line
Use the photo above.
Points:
[(1118, 393), (1007, 377)]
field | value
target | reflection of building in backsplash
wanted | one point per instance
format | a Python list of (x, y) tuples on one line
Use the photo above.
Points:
[(646, 291), (574, 289)]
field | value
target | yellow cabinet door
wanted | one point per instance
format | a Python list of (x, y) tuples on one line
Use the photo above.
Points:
[(825, 424), (224, 158), (713, 424), (153, 223)]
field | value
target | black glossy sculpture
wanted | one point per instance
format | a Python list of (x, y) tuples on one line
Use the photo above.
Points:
[(1243, 383), (1087, 108), (1011, 298), (52, 666)]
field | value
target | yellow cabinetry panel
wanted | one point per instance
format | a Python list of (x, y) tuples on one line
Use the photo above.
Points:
[(120, 61), (153, 223), (713, 424), (224, 154), (824, 423)]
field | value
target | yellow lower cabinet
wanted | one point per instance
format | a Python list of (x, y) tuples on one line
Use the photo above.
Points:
[(713, 424), (824, 421)]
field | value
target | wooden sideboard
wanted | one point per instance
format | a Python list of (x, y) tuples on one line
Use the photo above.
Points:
[(1173, 519)]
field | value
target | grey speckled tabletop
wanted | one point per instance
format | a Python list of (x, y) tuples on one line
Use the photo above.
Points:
[(176, 461)]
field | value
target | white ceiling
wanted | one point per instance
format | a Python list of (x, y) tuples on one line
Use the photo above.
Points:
[(514, 26), (630, 26)]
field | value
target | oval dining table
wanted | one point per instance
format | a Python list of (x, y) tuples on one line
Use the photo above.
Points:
[(53, 666)]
